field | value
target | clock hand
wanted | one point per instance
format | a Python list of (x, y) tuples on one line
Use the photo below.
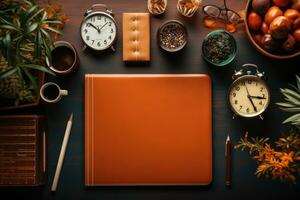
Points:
[(94, 27), (103, 26), (249, 97), (257, 97)]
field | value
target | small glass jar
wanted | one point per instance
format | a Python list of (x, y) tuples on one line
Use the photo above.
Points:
[(188, 7), (157, 7)]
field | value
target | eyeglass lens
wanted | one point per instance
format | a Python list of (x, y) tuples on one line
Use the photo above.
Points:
[(212, 11), (233, 16)]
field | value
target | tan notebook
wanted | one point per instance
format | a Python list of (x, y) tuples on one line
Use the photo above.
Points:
[(148, 130)]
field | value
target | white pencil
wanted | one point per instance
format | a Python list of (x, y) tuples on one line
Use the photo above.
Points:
[(62, 154)]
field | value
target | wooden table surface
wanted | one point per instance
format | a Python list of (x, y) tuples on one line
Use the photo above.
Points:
[(245, 185)]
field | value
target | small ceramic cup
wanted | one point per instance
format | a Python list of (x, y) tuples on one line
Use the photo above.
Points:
[(64, 58), (51, 93)]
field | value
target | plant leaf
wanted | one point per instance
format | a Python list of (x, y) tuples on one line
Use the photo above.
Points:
[(52, 22), (28, 13), (54, 30), (8, 72), (291, 109), (298, 81), (285, 104), (38, 43), (38, 67), (9, 27), (292, 118), (27, 2), (34, 15), (44, 17), (46, 34), (292, 93), (47, 50), (31, 78), (32, 27)]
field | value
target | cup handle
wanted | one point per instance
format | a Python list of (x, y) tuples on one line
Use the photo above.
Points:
[(64, 92)]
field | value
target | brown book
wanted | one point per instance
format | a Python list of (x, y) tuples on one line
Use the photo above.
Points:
[(22, 150), (148, 130)]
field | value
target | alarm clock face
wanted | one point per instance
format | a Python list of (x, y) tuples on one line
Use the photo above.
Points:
[(98, 31), (249, 96)]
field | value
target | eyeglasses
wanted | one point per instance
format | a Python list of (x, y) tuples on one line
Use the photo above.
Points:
[(226, 16)]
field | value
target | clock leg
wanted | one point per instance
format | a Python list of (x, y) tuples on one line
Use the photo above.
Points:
[(233, 116), (261, 117), (113, 48), (84, 48)]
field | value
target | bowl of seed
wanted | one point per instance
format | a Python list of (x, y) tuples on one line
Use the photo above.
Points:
[(172, 36), (219, 48)]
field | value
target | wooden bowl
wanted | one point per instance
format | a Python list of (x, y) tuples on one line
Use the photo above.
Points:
[(294, 54), (41, 80)]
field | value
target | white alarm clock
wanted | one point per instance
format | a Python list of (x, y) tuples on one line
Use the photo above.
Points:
[(98, 29), (249, 95)]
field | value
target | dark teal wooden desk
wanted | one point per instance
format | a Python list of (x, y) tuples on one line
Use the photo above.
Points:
[(244, 186)]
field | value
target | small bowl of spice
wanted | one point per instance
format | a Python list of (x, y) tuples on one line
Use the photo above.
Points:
[(219, 48), (172, 36)]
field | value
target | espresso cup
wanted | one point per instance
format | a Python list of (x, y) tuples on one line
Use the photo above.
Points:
[(51, 93), (64, 58)]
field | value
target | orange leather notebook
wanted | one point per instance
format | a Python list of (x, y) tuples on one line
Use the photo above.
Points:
[(148, 130)]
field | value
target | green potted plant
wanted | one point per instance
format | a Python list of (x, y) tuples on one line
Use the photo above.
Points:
[(27, 33)]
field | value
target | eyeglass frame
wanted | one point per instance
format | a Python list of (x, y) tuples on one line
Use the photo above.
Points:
[(226, 9)]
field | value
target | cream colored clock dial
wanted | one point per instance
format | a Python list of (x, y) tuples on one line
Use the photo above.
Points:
[(249, 96), (98, 31)]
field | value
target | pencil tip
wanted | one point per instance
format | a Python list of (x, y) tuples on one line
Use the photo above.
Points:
[(228, 138), (71, 117)]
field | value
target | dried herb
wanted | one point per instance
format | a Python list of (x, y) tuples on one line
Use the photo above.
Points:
[(218, 47), (282, 163)]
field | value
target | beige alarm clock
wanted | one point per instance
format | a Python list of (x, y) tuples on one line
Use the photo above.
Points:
[(249, 95)]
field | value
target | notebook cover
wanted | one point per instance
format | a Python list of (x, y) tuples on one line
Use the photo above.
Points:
[(148, 130)]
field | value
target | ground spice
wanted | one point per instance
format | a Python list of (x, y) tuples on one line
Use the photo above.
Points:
[(172, 36), (218, 48)]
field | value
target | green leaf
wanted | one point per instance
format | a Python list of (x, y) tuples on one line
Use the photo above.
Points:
[(17, 21), (8, 27), (285, 104), (54, 30), (290, 97), (292, 118), (46, 34), (298, 81), (5, 21), (34, 15), (7, 43), (47, 50), (27, 2), (32, 27), (20, 75), (31, 78), (293, 93), (8, 72), (28, 13), (295, 88), (44, 17), (52, 22), (291, 109), (38, 67), (38, 43)]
